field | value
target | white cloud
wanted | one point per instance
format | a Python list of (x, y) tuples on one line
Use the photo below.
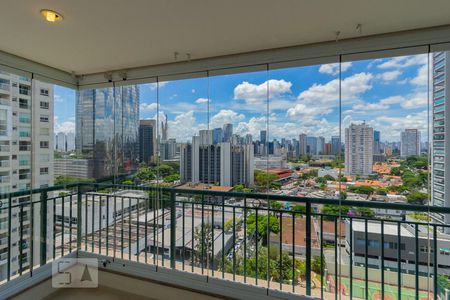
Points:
[(58, 98), (306, 111), (389, 75), (413, 101), (66, 126), (333, 69), (148, 106), (351, 88), (404, 61), (254, 94), (161, 84), (202, 100), (226, 116), (184, 126), (421, 77)]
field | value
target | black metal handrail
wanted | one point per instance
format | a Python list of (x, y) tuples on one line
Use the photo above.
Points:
[(104, 224)]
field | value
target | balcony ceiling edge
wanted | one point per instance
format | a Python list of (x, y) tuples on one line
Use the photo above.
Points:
[(393, 44)]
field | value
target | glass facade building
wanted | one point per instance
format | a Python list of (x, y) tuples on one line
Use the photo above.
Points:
[(107, 129)]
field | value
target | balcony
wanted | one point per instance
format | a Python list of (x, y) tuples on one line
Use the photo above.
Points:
[(4, 87), (217, 242)]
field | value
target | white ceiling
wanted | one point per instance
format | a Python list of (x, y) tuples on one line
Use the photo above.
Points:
[(102, 35)]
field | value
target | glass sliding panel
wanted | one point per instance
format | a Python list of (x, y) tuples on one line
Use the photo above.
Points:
[(238, 124), (183, 139), (385, 129), (304, 130), (439, 98)]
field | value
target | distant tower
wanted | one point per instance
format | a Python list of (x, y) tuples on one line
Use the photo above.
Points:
[(164, 128)]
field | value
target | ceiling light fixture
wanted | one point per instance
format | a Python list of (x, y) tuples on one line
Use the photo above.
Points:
[(51, 15)]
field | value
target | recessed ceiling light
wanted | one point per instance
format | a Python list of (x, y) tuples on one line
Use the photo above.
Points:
[(51, 15)]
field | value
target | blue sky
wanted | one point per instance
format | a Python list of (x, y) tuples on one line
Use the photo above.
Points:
[(390, 94)]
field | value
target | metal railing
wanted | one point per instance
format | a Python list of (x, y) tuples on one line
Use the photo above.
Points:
[(319, 247)]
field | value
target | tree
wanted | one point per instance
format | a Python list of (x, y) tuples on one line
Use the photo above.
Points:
[(334, 210), (275, 205), (381, 191), (145, 173), (164, 170), (264, 179), (263, 222), (329, 178), (61, 180), (362, 189), (279, 268), (396, 171), (298, 208), (172, 178), (342, 178), (364, 212), (203, 240), (417, 198), (318, 265)]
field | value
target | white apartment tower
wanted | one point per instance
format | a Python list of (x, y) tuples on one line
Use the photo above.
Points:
[(26, 158), (358, 149), (410, 143), (224, 163), (440, 158)]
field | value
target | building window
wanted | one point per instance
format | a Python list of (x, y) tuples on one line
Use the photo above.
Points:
[(24, 118), (44, 105), (44, 144), (44, 118), (44, 171), (44, 92)]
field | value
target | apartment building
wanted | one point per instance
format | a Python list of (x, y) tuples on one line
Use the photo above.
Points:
[(226, 163), (358, 149), (440, 144), (410, 143), (26, 158)]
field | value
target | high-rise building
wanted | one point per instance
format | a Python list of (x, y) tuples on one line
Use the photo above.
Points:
[(311, 145), (320, 145), (70, 141), (327, 150), (263, 136), (224, 164), (147, 140), (168, 149), (376, 142), (440, 159), (410, 143), (248, 139), (164, 129), (26, 158), (60, 142), (227, 132), (217, 135), (110, 136), (335, 144), (358, 149), (301, 144)]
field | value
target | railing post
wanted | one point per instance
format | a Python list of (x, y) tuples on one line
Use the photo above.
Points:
[(79, 207), (9, 236), (173, 228), (308, 248), (43, 227)]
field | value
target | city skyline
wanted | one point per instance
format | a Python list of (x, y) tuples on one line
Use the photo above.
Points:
[(389, 94)]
